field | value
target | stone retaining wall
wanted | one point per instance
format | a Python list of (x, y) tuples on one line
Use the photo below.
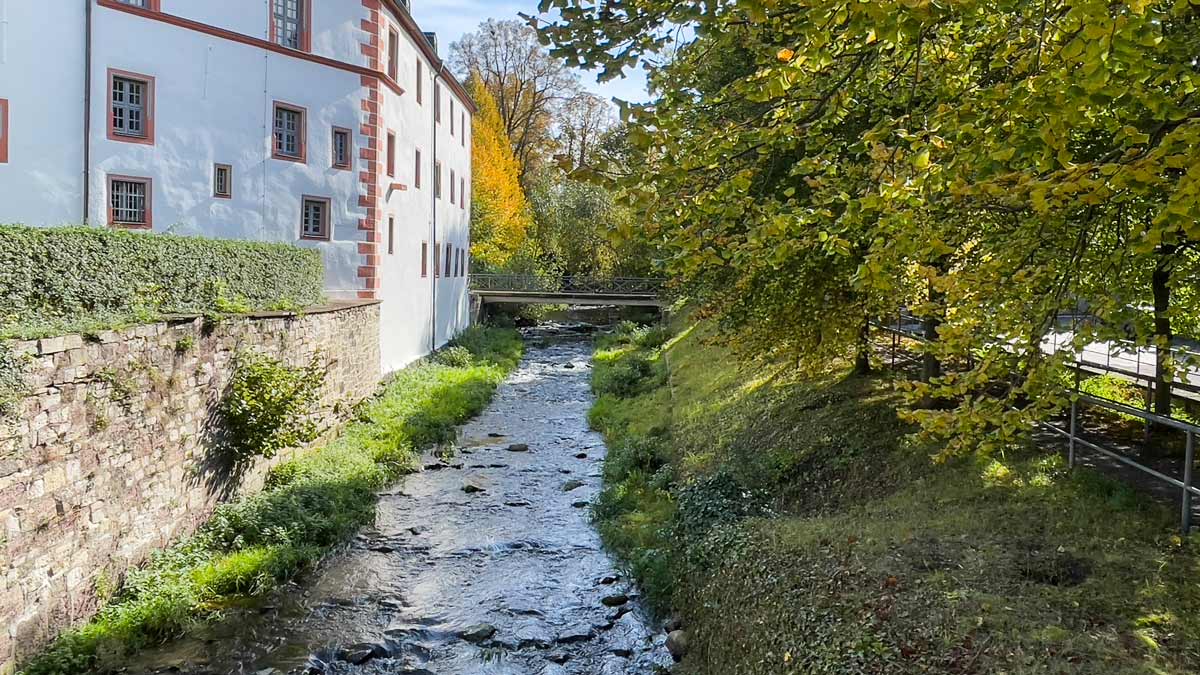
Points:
[(110, 456)]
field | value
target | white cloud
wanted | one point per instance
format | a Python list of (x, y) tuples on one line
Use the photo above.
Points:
[(451, 19)]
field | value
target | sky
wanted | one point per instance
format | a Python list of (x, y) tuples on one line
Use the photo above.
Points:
[(451, 19)]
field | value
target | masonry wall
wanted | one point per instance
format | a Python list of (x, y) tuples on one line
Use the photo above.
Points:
[(111, 455)]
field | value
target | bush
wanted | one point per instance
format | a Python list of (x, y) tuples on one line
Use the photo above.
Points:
[(78, 272), (269, 405), (626, 378), (455, 356)]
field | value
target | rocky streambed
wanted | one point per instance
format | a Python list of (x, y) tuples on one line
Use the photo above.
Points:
[(484, 563)]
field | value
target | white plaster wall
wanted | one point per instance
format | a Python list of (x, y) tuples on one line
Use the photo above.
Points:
[(214, 101), (41, 75), (409, 328), (335, 23)]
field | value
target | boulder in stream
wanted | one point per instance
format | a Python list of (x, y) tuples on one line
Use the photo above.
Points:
[(677, 644), (478, 633), (573, 484)]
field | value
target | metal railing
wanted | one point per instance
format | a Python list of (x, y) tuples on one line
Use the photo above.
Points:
[(908, 326), (574, 285)]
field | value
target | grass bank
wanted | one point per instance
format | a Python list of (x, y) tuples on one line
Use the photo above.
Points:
[(310, 505), (786, 518)]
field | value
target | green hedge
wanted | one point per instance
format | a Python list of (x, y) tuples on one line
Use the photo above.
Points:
[(74, 271)]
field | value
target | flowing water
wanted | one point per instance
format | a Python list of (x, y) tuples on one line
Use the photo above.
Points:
[(483, 563)]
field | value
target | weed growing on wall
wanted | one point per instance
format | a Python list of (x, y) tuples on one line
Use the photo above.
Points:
[(12, 381), (310, 505), (269, 405)]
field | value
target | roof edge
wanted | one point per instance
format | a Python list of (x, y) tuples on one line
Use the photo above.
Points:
[(414, 31)]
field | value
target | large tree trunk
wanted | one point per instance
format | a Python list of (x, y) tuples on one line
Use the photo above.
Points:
[(1160, 285), (862, 350)]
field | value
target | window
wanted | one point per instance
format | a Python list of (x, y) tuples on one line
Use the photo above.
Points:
[(391, 155), (151, 5), (451, 117), (458, 262), (314, 219), (453, 194), (420, 78), (449, 253), (437, 260), (393, 53), (437, 102), (289, 23), (462, 193), (223, 181), (3, 131), (341, 148), (424, 259), (131, 116), (462, 137), (391, 235), (417, 172), (129, 202), (289, 133), (437, 179)]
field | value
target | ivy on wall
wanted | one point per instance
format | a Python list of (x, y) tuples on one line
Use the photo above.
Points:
[(91, 271), (12, 381)]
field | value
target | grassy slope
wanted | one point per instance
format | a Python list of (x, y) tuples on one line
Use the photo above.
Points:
[(310, 505), (789, 522)]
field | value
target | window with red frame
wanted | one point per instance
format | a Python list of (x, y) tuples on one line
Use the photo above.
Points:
[(424, 259), (393, 53), (129, 202), (131, 107), (391, 155), (3, 131)]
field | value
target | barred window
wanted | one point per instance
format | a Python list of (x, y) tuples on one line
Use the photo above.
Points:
[(289, 132), (129, 106), (341, 148), (222, 180), (315, 219), (289, 23), (129, 202)]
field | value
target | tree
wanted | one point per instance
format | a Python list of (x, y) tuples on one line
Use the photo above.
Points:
[(583, 123), (501, 218), (992, 163), (529, 86)]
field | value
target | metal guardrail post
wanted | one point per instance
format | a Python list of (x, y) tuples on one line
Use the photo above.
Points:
[(1189, 458), (1074, 428)]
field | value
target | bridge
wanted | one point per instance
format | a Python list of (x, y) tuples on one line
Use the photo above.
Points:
[(534, 290)]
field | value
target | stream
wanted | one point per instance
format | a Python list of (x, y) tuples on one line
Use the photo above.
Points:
[(483, 563)]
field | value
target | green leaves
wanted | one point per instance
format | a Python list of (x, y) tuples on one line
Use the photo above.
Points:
[(74, 272), (270, 406)]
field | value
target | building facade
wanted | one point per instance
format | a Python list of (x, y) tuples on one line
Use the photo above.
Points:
[(330, 124)]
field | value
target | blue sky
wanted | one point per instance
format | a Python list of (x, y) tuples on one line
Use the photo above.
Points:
[(450, 19)]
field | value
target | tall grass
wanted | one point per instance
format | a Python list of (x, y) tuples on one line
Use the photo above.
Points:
[(310, 505)]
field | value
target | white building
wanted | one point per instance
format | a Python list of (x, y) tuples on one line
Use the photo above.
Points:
[(331, 124)]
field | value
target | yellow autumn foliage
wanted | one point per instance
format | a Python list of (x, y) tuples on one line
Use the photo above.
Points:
[(502, 218)]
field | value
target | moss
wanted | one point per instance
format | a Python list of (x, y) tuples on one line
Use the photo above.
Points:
[(792, 523), (310, 505)]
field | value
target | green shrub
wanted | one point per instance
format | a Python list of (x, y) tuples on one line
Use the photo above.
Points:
[(629, 376), (455, 356), (84, 276), (269, 405)]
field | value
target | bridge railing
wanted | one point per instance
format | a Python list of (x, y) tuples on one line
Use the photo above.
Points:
[(581, 285)]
